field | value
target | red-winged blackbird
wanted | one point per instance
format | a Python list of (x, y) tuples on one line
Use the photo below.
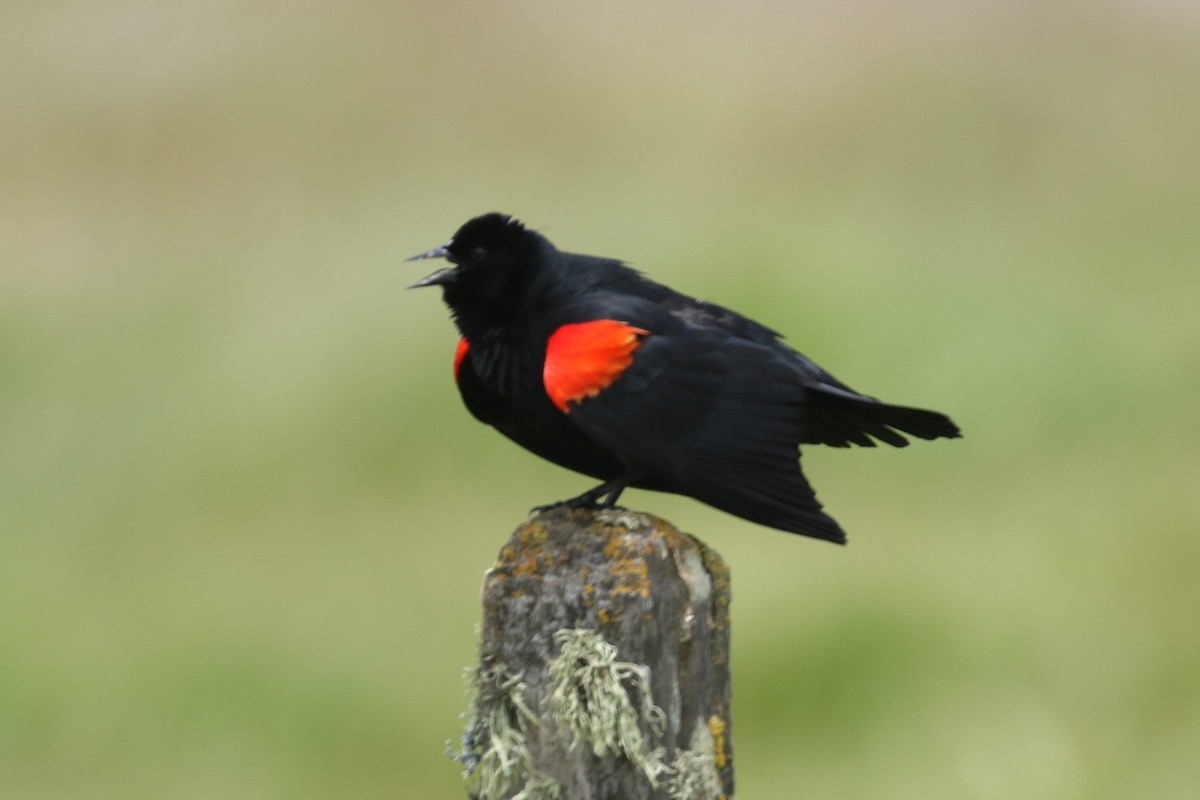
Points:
[(590, 365)]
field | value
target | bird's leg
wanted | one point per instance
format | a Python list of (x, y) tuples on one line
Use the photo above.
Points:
[(586, 500), (614, 488), (609, 490)]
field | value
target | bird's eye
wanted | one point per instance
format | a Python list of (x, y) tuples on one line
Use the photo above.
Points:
[(478, 254)]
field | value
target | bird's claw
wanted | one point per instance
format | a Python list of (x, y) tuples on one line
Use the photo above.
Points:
[(574, 503), (547, 507), (590, 499)]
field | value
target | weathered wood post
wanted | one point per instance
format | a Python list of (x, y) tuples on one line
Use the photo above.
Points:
[(604, 664)]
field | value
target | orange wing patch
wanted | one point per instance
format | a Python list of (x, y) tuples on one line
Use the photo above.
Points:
[(459, 354), (584, 357)]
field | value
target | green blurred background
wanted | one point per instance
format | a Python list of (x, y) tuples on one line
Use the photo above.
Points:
[(244, 517)]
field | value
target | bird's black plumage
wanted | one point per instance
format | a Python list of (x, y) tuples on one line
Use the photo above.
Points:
[(589, 364)]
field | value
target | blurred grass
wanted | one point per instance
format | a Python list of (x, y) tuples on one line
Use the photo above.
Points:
[(243, 516)]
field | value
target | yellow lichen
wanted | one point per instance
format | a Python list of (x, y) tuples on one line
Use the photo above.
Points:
[(528, 565), (632, 576), (716, 726), (615, 548), (608, 616), (628, 566), (533, 534)]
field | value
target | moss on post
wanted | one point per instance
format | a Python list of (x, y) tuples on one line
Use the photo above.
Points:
[(604, 664)]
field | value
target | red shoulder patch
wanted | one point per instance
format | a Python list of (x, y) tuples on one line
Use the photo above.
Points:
[(459, 355), (584, 357)]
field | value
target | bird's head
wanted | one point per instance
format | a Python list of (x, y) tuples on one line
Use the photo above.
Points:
[(491, 259)]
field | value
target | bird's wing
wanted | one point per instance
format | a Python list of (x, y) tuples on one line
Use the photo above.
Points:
[(691, 410), (834, 414)]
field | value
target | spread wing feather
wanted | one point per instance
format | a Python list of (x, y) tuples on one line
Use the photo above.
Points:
[(719, 420)]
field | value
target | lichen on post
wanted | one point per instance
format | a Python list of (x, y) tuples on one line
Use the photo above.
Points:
[(604, 664)]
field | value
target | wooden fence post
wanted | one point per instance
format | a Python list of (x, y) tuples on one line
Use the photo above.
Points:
[(604, 664)]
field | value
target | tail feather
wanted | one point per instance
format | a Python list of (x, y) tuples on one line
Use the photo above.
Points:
[(840, 418), (919, 422), (802, 513)]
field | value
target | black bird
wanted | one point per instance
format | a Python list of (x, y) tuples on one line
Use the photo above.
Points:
[(588, 364)]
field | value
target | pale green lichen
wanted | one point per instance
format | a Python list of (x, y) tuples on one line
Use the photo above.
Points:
[(630, 520), (694, 773), (693, 776), (590, 704), (495, 754), (539, 787)]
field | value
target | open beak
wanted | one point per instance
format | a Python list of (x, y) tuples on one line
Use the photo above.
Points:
[(441, 276)]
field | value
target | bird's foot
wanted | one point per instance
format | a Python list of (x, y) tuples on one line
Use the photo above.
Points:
[(572, 505), (610, 491), (585, 500)]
